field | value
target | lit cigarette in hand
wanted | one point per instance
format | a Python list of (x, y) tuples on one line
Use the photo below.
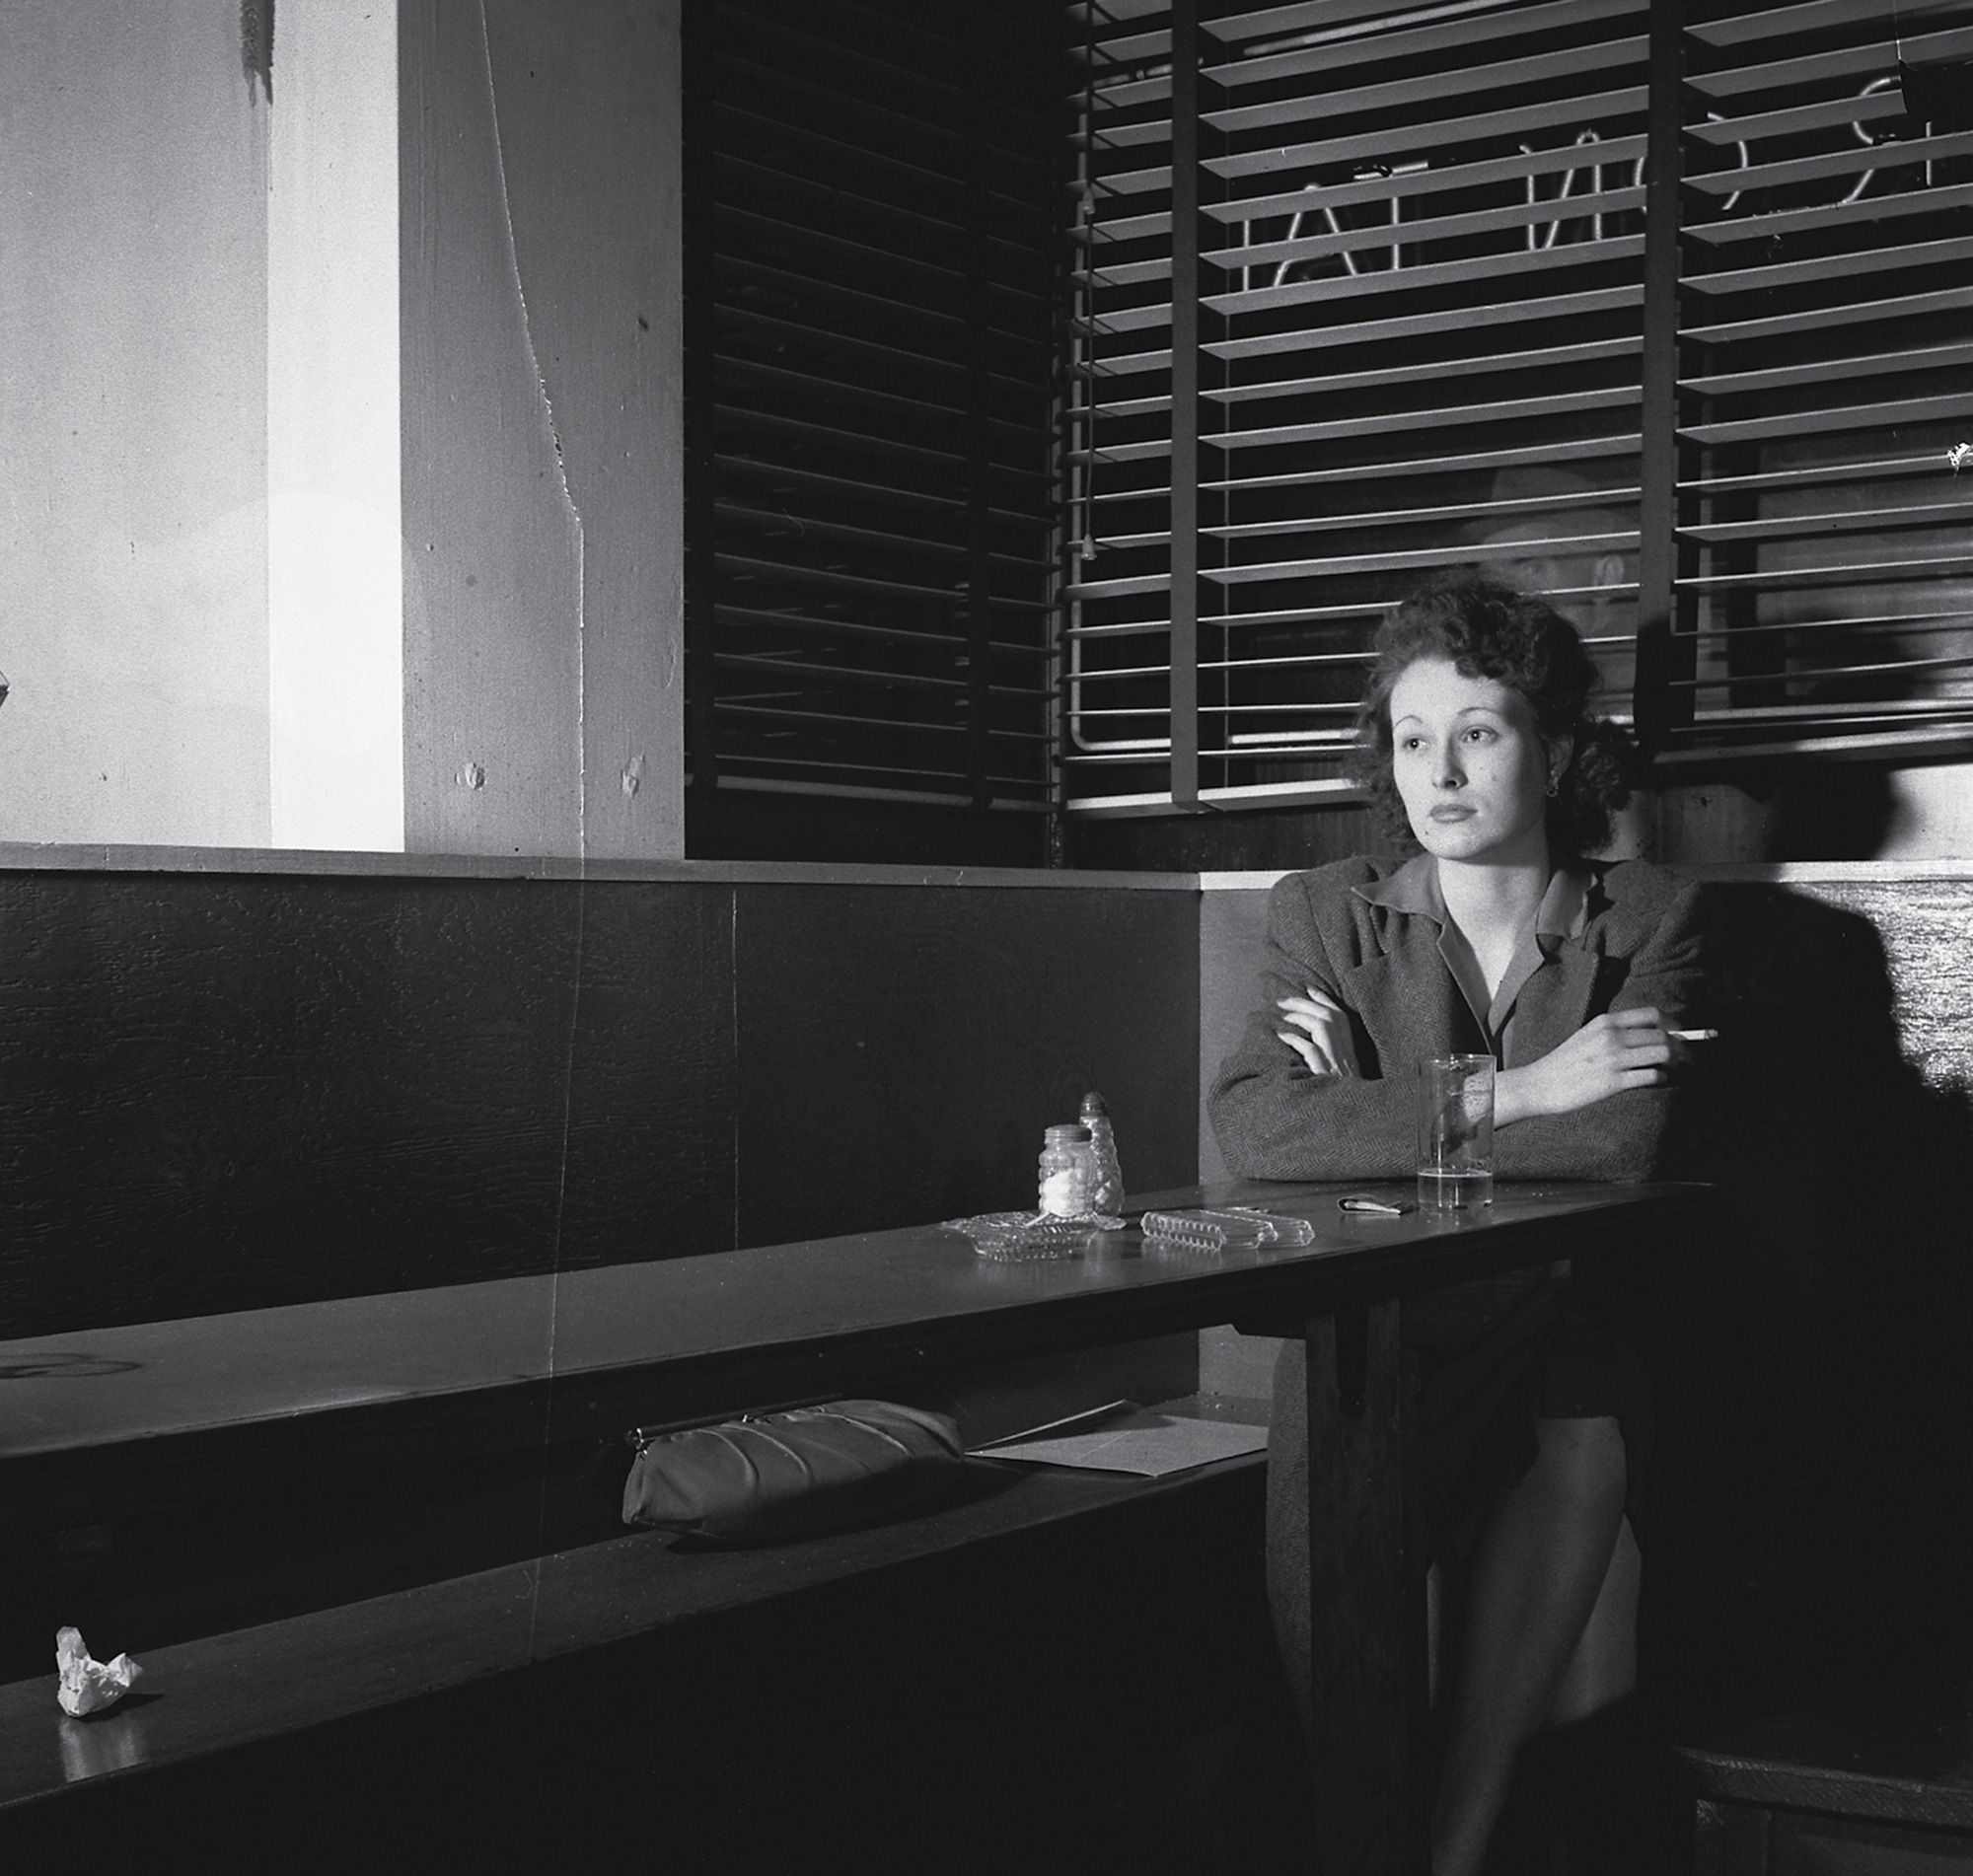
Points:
[(1693, 1034)]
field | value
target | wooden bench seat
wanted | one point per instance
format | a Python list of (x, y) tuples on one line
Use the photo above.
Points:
[(414, 1500), (1877, 1780), (487, 1677)]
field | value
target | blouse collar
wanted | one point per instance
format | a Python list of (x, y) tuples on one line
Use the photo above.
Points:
[(1564, 911)]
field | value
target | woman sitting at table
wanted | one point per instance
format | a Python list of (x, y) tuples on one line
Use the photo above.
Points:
[(1501, 938)]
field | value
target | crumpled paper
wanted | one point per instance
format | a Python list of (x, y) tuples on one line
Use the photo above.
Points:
[(88, 1686)]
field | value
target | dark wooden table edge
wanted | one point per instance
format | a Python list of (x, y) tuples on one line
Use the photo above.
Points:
[(58, 1484)]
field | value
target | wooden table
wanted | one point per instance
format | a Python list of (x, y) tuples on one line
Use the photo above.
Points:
[(1367, 1555), (121, 1416)]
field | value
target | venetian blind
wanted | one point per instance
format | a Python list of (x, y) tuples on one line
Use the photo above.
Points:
[(1367, 292), (871, 231), (1824, 582)]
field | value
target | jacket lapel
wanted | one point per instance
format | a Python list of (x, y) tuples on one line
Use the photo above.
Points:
[(1407, 997), (1556, 1001)]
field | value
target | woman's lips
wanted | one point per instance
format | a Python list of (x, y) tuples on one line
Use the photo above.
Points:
[(1450, 813)]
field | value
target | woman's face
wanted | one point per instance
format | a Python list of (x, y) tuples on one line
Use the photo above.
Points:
[(1470, 765)]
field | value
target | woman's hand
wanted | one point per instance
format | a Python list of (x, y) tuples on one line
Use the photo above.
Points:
[(1324, 1043), (1609, 1054)]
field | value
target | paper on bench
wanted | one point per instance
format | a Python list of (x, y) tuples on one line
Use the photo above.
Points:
[(87, 1684), (1133, 1439)]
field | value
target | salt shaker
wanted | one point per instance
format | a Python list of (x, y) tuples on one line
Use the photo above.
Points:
[(1108, 1196), (1068, 1172)]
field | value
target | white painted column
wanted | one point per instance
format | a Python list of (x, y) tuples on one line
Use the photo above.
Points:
[(335, 576)]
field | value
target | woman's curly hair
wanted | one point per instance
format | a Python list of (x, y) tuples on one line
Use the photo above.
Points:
[(1489, 629)]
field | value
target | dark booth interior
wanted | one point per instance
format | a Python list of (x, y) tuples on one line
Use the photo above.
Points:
[(883, 511)]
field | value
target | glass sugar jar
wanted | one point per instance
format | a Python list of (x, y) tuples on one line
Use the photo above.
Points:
[(1068, 1173), (1106, 1196)]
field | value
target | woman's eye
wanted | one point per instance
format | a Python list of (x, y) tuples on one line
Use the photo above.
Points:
[(1411, 744), (1479, 733)]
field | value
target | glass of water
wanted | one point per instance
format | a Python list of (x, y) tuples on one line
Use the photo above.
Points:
[(1456, 1132)]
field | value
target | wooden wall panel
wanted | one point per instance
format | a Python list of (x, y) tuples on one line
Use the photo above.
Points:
[(223, 1094), (653, 1095), (900, 1050), (1233, 928), (227, 1092)]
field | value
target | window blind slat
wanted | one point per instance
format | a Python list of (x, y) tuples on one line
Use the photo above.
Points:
[(1820, 319), (1781, 480), (1846, 370), (1736, 81), (1779, 224), (1804, 527), (1761, 23), (1870, 416), (1444, 273), (1615, 154), (1448, 133), (780, 621), (1417, 559), (782, 573), (1406, 376), (814, 387), (1426, 87), (1319, 52), (1803, 68), (1828, 267), (1578, 450), (1791, 119), (1559, 307), (1843, 573), (1487, 511), (1440, 417), (1607, 110), (1439, 228), (1899, 624), (1839, 162)]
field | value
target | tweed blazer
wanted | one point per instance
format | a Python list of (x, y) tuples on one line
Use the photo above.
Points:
[(1639, 945)]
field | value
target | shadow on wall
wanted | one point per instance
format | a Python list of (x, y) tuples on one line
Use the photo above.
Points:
[(1810, 1352), (1845, 811), (1835, 812)]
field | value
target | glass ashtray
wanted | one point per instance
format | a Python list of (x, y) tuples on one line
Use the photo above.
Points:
[(1014, 1237)]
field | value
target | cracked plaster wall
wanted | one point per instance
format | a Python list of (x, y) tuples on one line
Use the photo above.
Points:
[(542, 438), (543, 428), (133, 427)]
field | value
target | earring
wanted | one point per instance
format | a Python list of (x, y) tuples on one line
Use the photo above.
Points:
[(1554, 784)]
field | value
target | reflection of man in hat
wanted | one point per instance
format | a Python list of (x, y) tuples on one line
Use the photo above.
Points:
[(1570, 542), (1575, 541)]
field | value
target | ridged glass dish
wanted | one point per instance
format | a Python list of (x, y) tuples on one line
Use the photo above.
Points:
[(1231, 1228)]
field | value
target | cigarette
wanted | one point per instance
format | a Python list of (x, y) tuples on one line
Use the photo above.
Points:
[(1693, 1034)]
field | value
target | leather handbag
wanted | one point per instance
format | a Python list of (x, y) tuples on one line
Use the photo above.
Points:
[(792, 1475)]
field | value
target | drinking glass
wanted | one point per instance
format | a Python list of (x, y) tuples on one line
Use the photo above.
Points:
[(1456, 1132)]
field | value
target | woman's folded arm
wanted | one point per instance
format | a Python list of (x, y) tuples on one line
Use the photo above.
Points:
[(1273, 1118)]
